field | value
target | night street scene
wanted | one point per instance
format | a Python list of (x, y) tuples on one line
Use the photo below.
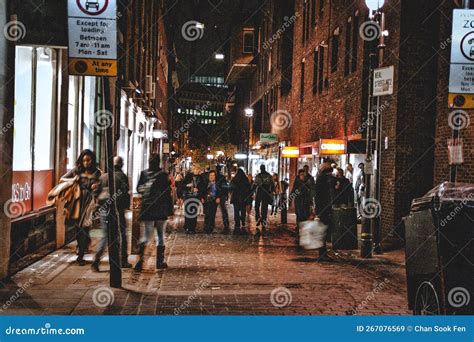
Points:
[(237, 157)]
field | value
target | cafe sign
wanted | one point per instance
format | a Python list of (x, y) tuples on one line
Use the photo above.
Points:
[(331, 147)]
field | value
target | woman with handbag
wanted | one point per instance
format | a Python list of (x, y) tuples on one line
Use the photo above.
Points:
[(86, 174)]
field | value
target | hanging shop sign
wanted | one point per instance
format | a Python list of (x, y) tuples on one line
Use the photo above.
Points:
[(268, 138), (92, 26), (330, 147), (461, 75), (383, 81), (290, 152)]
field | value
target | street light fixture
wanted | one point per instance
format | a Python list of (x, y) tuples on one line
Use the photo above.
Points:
[(249, 112), (219, 56), (374, 5)]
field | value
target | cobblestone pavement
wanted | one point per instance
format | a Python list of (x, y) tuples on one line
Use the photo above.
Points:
[(214, 274)]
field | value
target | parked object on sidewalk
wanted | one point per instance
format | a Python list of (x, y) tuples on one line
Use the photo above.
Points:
[(312, 234), (440, 251), (344, 230)]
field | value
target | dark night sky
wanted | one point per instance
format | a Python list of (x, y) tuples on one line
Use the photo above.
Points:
[(222, 19)]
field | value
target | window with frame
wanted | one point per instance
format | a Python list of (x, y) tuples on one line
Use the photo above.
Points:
[(34, 115), (315, 70), (248, 40), (302, 81), (335, 50), (347, 52), (321, 67), (355, 42)]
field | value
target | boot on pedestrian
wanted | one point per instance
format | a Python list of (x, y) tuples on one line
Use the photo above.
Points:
[(160, 258), (323, 255), (139, 265), (95, 265)]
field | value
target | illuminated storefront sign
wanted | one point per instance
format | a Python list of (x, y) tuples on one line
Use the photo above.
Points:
[(332, 146), (290, 152)]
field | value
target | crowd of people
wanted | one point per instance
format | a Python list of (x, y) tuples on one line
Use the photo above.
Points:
[(85, 193)]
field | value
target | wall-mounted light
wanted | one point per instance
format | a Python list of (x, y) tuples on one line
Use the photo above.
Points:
[(219, 56), (249, 112)]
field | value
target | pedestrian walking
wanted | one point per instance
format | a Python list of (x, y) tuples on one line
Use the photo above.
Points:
[(265, 189), (212, 201), (179, 189), (343, 190), (310, 183), (276, 195), (251, 198), (157, 206), (324, 201), (350, 173), (120, 202), (223, 186), (301, 194), (86, 174), (360, 188), (240, 198), (194, 191)]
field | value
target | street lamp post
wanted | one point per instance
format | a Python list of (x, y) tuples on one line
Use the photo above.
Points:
[(249, 114), (369, 224)]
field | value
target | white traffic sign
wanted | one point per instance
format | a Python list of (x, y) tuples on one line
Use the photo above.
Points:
[(92, 37), (461, 75), (383, 81)]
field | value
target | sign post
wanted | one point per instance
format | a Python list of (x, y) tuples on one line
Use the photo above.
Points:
[(92, 27), (383, 81)]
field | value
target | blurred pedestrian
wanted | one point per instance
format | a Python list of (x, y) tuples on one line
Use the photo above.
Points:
[(86, 174), (212, 200), (310, 183), (240, 198), (194, 191), (223, 186), (276, 194), (265, 188), (301, 194), (157, 206), (179, 189), (350, 173), (360, 187), (121, 202), (324, 201), (343, 190)]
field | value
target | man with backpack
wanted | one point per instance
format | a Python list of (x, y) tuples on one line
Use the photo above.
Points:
[(265, 190), (157, 206)]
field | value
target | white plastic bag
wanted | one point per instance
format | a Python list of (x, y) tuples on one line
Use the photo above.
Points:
[(312, 234)]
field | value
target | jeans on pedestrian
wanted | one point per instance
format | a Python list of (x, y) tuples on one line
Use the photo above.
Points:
[(210, 208), (225, 214), (150, 227), (261, 211), (103, 240), (240, 211)]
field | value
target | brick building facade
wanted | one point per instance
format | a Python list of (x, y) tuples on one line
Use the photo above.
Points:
[(324, 87)]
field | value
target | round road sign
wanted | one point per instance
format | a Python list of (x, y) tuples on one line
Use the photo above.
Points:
[(93, 7)]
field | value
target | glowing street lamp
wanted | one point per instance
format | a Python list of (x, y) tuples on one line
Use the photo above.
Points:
[(219, 56), (374, 5), (249, 112)]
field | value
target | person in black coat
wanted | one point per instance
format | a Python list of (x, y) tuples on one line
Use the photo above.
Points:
[(194, 191), (122, 203), (343, 190), (157, 205), (240, 198), (265, 189), (302, 195), (224, 189), (324, 201)]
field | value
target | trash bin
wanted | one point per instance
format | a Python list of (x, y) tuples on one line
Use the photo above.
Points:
[(439, 233), (344, 230)]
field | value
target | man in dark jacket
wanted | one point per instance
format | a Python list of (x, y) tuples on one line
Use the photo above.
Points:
[(223, 186), (265, 189), (241, 196), (122, 203), (194, 191), (343, 190), (324, 200), (157, 205), (301, 193)]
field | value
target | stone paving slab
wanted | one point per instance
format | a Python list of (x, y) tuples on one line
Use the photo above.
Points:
[(214, 275)]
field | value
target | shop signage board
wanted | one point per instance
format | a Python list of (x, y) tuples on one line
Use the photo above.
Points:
[(290, 152), (461, 75), (92, 27), (383, 81), (330, 147), (268, 138)]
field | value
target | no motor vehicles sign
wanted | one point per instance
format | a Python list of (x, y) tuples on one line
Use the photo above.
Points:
[(92, 37)]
